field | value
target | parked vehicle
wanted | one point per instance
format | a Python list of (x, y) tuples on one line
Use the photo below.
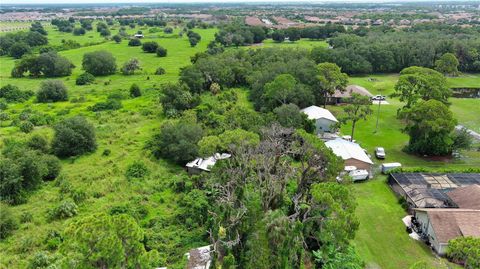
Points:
[(390, 166), (378, 98), (380, 153), (359, 174)]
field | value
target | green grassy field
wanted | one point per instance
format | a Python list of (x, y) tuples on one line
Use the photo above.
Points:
[(381, 240), (124, 132)]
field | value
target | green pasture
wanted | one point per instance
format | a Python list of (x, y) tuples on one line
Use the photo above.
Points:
[(123, 132)]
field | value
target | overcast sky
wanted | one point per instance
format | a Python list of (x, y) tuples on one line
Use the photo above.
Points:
[(184, 1)]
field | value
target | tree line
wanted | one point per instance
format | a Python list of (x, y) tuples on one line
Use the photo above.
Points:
[(393, 51)]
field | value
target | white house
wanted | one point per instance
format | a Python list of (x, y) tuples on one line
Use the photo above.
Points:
[(351, 153), (200, 164), (324, 119)]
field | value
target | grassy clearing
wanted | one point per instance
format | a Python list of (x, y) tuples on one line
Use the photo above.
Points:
[(465, 110), (123, 132)]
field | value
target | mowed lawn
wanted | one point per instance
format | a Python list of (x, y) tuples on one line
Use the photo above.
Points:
[(381, 239)]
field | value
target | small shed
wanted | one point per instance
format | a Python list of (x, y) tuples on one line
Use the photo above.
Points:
[(339, 97), (351, 153), (324, 119)]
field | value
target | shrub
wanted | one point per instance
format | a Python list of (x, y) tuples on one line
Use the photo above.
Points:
[(177, 141), (12, 93), (40, 260), (134, 42), (3, 105), (161, 51), (177, 98), (150, 46), (131, 66), (53, 167), (8, 223), (52, 91), (135, 91), (26, 217), (66, 209), (79, 31), (73, 136), (105, 32), (99, 63), (136, 170), (79, 196), (465, 250), (160, 71), (38, 142), (85, 79), (117, 38), (26, 127), (18, 49), (168, 30), (106, 152), (110, 104), (52, 64)]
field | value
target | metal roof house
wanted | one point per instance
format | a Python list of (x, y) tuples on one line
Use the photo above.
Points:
[(324, 119), (200, 164), (351, 153), (343, 96)]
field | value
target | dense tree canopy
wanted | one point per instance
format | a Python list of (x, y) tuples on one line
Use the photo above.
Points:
[(259, 222), (392, 51)]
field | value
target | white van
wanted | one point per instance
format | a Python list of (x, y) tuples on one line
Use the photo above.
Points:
[(390, 166)]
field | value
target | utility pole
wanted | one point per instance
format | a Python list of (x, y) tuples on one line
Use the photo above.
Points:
[(378, 116)]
